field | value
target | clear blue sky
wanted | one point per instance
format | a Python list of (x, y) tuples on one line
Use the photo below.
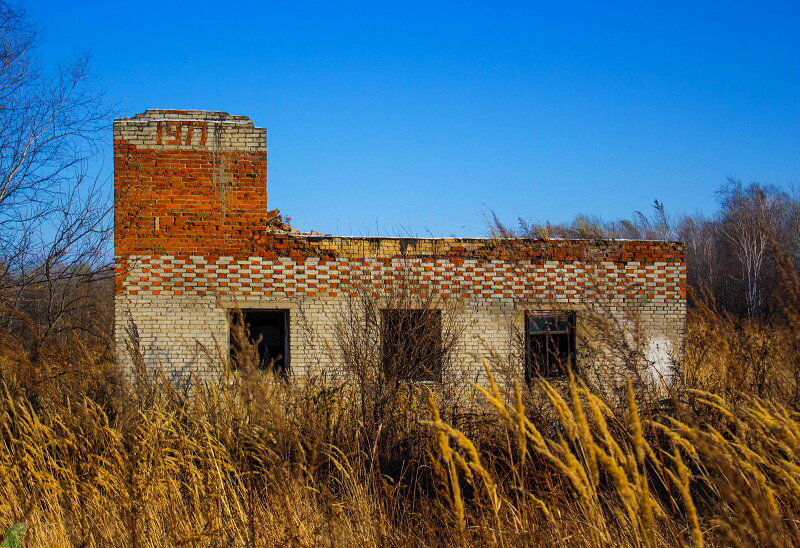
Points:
[(417, 117)]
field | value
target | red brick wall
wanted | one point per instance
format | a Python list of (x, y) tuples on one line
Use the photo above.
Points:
[(188, 186)]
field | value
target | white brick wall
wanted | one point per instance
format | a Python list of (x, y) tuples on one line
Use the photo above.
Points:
[(180, 306)]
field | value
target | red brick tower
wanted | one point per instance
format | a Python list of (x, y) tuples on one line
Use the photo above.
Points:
[(188, 182)]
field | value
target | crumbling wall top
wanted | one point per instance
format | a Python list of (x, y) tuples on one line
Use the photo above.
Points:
[(188, 115)]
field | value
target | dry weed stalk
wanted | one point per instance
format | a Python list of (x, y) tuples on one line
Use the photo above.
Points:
[(747, 469), (252, 461)]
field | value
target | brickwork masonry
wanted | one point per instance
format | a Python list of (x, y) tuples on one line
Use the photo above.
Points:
[(192, 243), (180, 306)]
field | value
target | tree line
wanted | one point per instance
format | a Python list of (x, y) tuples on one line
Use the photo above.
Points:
[(736, 257), (55, 221)]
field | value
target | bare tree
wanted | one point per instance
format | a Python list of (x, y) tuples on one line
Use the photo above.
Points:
[(54, 215), (748, 216), (700, 236)]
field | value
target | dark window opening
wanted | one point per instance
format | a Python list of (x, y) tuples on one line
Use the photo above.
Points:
[(411, 344), (549, 344), (268, 330)]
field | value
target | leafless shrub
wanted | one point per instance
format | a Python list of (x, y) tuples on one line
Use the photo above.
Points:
[(392, 345), (54, 216)]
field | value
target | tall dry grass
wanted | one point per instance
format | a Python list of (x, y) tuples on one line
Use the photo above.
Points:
[(253, 461), (610, 480), (89, 458)]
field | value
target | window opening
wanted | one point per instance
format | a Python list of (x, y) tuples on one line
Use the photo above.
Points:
[(549, 344), (411, 344), (269, 331)]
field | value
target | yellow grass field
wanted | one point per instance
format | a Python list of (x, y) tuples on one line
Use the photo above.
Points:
[(90, 460)]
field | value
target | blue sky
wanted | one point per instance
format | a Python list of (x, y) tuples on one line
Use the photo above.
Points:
[(417, 118)]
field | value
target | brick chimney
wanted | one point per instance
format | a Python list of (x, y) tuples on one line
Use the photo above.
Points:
[(188, 182)]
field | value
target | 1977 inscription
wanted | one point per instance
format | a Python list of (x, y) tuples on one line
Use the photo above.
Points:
[(181, 133)]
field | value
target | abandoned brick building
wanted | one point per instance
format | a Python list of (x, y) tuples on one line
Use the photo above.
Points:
[(194, 241)]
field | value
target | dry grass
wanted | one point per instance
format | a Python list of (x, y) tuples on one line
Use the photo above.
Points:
[(92, 460), (628, 481)]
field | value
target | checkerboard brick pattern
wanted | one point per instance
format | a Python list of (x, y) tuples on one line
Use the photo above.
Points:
[(192, 241)]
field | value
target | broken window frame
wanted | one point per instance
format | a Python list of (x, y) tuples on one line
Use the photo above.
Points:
[(399, 354), (280, 367), (549, 344)]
